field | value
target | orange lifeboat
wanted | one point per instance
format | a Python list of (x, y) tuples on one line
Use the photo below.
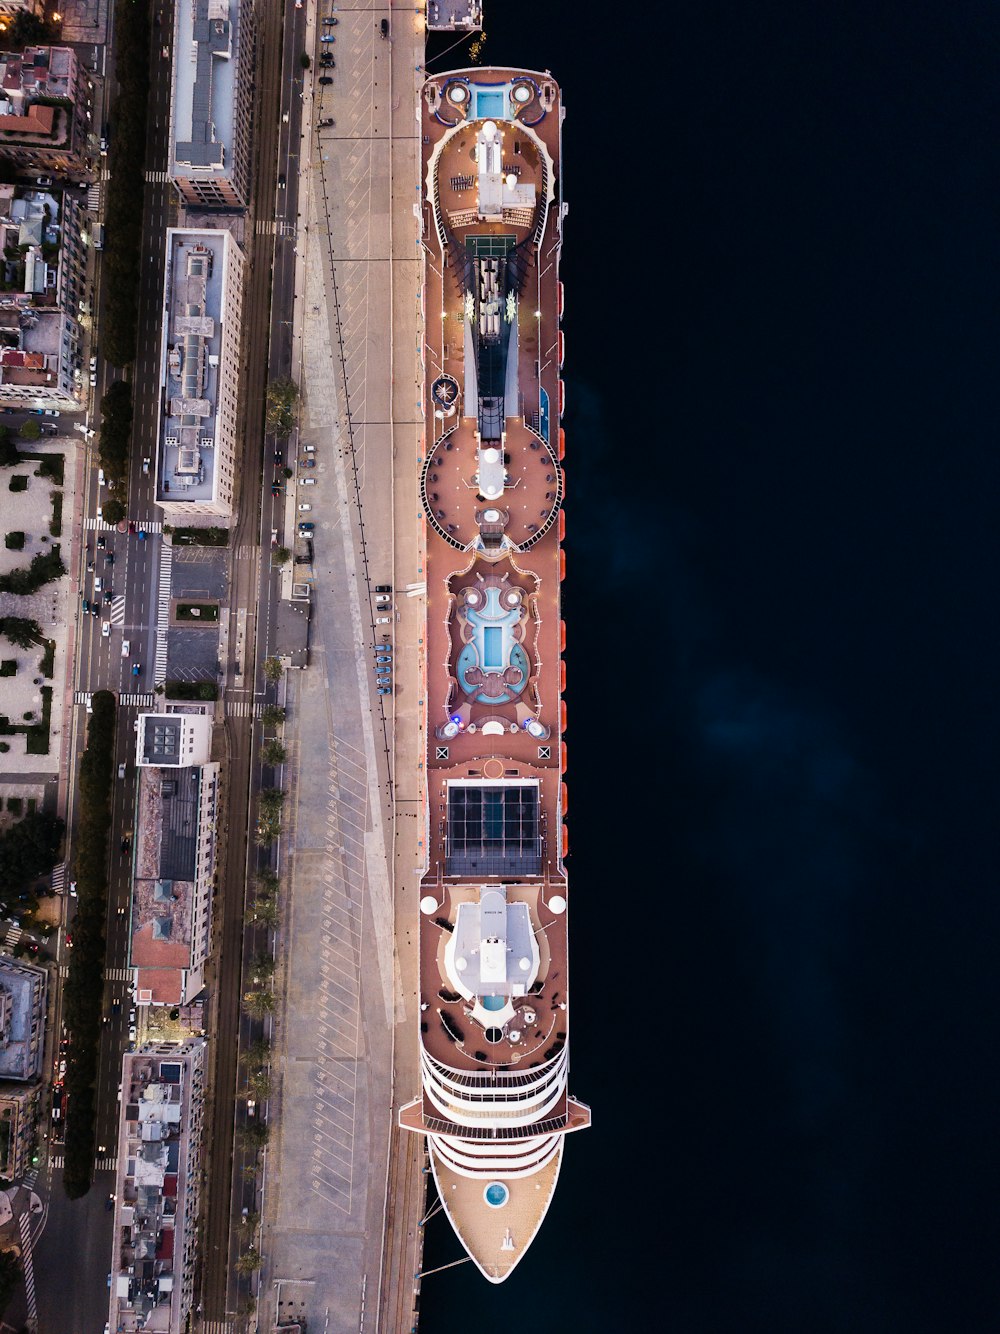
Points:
[(562, 757), (562, 443), (562, 294), (562, 674), (564, 797), (562, 397), (562, 524), (562, 348), (565, 842), (562, 636), (562, 563), (562, 712)]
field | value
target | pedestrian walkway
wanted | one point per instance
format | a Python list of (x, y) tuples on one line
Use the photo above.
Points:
[(14, 934), (163, 614), (118, 974), (216, 1327), (82, 697), (142, 525), (117, 613), (245, 551), (243, 708), (274, 227), (59, 878), (142, 701), (94, 198), (158, 177), (24, 1224)]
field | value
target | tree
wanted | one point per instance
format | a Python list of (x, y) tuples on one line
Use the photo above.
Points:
[(273, 669), (272, 715), (255, 1134), (113, 511), (265, 910), (249, 1261), (271, 800), (259, 1085), (249, 1223), (257, 1053), (273, 752), (258, 1003), (10, 1277), (268, 880), (280, 556), (21, 631), (28, 849), (261, 967), (30, 429), (281, 397)]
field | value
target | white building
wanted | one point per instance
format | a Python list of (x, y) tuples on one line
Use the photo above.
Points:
[(199, 374), (157, 1191)]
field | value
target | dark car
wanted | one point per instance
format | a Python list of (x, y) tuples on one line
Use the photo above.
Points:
[(326, 80), (281, 181), (95, 609), (383, 588), (384, 27), (277, 456), (384, 690), (86, 605), (136, 669), (307, 463), (131, 526), (326, 124), (110, 558), (306, 527), (101, 543), (124, 844), (275, 489)]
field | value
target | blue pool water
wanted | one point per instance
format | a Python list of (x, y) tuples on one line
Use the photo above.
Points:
[(489, 105), (492, 647), (496, 1194), (493, 1002)]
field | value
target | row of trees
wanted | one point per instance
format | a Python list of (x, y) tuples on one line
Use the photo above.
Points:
[(282, 395), (84, 992), (123, 249)]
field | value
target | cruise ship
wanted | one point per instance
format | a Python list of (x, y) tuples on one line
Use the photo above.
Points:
[(494, 970)]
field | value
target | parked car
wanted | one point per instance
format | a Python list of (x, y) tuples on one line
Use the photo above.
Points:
[(326, 124), (101, 479), (383, 588), (381, 658), (275, 489), (383, 620), (384, 29), (306, 527), (304, 508), (384, 690), (278, 456), (93, 362), (307, 481), (329, 19), (328, 37), (307, 463), (133, 1032), (309, 449), (43, 180), (93, 379), (326, 79), (86, 606)]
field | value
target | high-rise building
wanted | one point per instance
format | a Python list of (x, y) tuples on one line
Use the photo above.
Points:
[(211, 102), (174, 858), (157, 1192), (199, 372), (45, 105)]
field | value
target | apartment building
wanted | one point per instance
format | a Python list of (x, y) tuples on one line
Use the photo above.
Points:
[(19, 1108), (200, 372), (211, 103), (23, 997), (46, 108), (174, 858), (157, 1192)]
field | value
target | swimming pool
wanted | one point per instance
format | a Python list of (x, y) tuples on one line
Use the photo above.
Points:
[(496, 1194), (493, 1002), (489, 106), (492, 647)]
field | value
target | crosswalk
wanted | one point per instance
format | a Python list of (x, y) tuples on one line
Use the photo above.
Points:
[(140, 701), (94, 198), (59, 878), (158, 177), (14, 934), (216, 1327), (118, 974), (243, 708), (117, 613), (163, 614), (147, 525), (274, 227), (245, 550), (82, 697), (100, 1165), (24, 1224)]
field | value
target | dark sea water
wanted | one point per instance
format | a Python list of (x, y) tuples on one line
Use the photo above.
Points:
[(783, 341)]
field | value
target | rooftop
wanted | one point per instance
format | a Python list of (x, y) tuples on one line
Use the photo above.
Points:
[(22, 1002), (204, 93)]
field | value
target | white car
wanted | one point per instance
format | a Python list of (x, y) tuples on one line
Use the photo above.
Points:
[(132, 1032), (100, 514), (121, 774), (105, 629), (100, 477), (145, 466), (93, 379), (303, 509), (98, 584), (126, 646), (307, 481), (383, 620), (93, 362)]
